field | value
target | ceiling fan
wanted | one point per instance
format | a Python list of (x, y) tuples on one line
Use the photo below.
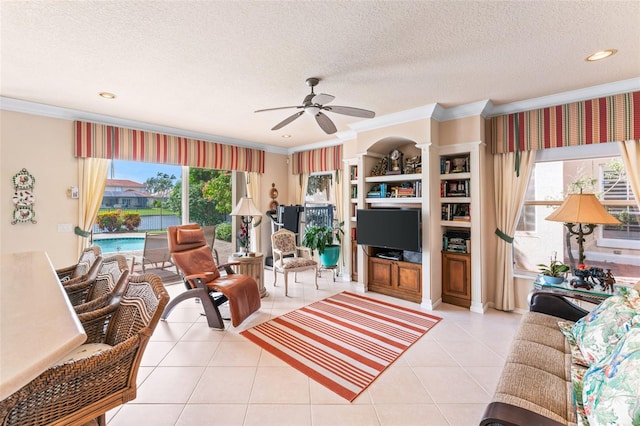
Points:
[(314, 105)]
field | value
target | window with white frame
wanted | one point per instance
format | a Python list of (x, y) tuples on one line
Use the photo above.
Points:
[(320, 189), (615, 247)]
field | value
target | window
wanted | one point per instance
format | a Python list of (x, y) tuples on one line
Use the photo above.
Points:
[(616, 188), (320, 189), (609, 247), (153, 192)]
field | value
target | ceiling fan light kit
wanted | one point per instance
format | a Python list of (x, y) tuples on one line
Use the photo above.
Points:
[(314, 105)]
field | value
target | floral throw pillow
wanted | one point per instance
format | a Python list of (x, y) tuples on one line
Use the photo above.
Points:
[(600, 331), (611, 387)]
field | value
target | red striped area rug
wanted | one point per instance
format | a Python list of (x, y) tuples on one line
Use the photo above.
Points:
[(344, 341)]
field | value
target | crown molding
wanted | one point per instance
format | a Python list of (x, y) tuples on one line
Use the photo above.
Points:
[(484, 108), (593, 92), (27, 107)]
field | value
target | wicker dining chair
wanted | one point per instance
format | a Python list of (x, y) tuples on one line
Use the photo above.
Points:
[(77, 281), (110, 282), (84, 388), (87, 265)]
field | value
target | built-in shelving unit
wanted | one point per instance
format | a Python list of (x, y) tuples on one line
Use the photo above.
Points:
[(382, 188), (459, 181)]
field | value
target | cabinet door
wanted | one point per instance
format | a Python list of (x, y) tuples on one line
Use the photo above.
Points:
[(456, 279), (409, 277), (380, 272)]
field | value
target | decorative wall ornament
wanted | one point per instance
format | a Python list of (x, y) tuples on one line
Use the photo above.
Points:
[(273, 194), (23, 198)]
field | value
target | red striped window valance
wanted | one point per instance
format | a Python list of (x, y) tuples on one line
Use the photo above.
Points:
[(118, 143), (608, 119), (317, 160)]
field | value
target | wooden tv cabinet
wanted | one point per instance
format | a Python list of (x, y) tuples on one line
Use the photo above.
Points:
[(396, 278)]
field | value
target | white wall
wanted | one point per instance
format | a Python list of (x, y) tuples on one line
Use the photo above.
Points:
[(43, 146)]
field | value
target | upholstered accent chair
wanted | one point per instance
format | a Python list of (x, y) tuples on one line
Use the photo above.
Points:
[(288, 257), (193, 257), (99, 375)]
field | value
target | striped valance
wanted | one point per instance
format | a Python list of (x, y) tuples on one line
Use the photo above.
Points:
[(608, 119), (317, 160), (103, 141)]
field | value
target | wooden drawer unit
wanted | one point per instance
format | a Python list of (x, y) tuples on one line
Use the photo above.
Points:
[(396, 278)]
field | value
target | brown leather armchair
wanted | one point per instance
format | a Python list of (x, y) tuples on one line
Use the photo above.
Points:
[(194, 258)]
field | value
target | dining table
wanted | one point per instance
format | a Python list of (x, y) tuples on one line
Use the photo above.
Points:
[(38, 324)]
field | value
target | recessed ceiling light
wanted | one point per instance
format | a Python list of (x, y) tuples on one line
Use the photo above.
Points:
[(107, 95), (601, 55), (285, 136)]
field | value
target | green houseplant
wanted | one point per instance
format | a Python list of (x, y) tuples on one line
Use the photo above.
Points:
[(554, 272), (322, 238)]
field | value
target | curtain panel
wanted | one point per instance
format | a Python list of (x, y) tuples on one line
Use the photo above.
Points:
[(608, 119), (317, 160), (103, 141)]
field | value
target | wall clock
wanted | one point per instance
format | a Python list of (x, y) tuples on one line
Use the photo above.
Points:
[(23, 198)]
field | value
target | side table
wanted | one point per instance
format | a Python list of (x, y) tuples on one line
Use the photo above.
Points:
[(252, 266), (594, 296)]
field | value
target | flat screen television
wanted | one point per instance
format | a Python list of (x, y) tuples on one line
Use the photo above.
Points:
[(397, 229)]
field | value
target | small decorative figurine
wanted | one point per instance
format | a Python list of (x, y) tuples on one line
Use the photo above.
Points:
[(609, 280)]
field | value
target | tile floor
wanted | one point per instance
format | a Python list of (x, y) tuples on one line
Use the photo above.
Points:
[(194, 375)]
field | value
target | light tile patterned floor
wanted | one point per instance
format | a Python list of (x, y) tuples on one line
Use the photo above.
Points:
[(194, 375)]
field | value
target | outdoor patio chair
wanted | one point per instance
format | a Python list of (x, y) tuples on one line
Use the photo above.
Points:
[(99, 375), (156, 251), (194, 259), (210, 236), (111, 282), (286, 258)]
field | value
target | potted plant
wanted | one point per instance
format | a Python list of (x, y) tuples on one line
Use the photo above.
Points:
[(321, 238), (554, 272)]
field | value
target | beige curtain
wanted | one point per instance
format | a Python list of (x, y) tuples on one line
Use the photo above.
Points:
[(92, 175), (253, 190), (338, 195), (630, 152), (509, 191), (302, 187)]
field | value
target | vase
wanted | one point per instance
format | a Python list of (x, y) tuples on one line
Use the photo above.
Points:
[(329, 256), (552, 280)]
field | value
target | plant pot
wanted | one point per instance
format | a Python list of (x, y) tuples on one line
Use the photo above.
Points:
[(329, 256), (552, 280)]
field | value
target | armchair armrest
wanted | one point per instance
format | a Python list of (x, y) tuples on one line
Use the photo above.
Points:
[(96, 322), (550, 303), (305, 251)]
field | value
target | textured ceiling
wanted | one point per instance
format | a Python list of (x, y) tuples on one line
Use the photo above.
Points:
[(206, 66)]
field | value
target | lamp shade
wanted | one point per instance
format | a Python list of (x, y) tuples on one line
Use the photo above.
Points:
[(245, 207), (582, 208)]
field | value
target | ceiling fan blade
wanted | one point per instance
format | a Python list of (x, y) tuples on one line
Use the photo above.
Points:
[(287, 120), (322, 98), (326, 124), (273, 109), (355, 112)]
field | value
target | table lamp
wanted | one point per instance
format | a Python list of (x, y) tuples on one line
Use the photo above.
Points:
[(581, 213), (246, 210)]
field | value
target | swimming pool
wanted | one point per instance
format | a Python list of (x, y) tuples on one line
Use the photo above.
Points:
[(114, 245)]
